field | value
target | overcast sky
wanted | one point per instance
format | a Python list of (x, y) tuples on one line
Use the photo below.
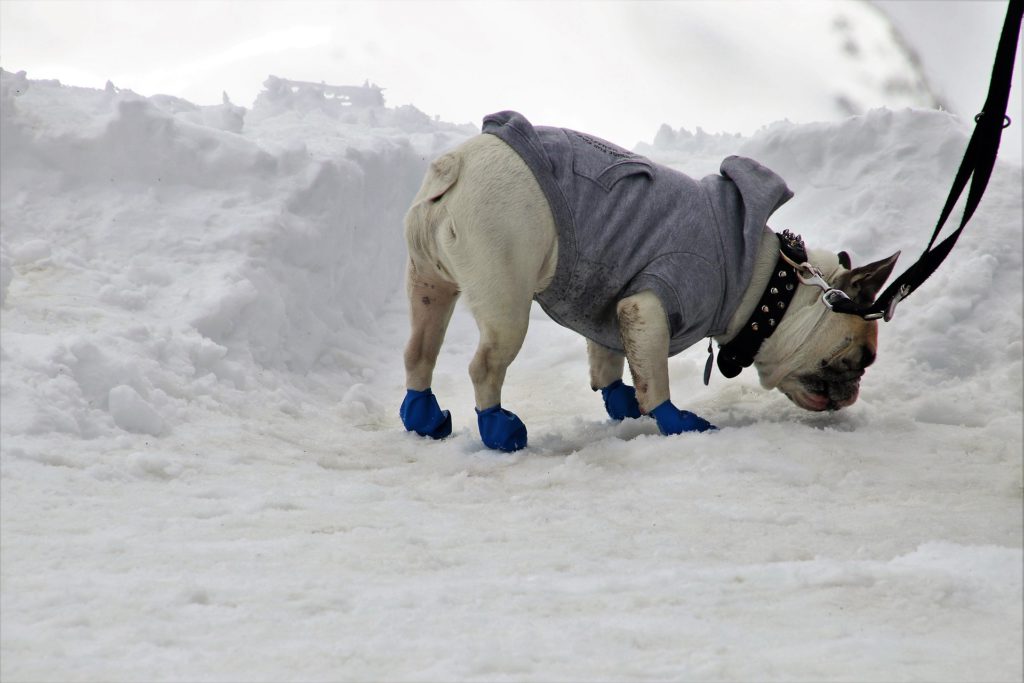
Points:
[(617, 69)]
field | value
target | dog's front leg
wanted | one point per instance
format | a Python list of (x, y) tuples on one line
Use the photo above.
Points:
[(645, 336), (606, 376)]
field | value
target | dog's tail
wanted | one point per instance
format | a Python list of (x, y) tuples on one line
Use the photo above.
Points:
[(441, 175), (426, 217)]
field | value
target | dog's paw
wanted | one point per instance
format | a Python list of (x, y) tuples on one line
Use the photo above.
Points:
[(420, 413), (501, 429), (671, 420), (620, 401)]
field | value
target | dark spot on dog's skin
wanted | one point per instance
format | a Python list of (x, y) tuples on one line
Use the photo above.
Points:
[(425, 301)]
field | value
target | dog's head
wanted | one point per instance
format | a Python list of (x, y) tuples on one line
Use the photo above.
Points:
[(817, 357)]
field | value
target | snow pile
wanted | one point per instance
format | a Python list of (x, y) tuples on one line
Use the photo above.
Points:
[(190, 257), (204, 475)]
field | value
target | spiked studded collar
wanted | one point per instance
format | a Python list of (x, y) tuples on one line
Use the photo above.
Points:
[(740, 351)]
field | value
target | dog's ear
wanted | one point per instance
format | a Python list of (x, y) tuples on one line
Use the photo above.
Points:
[(863, 284), (844, 259)]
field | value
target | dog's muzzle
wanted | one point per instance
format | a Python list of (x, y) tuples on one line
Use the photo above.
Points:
[(835, 385)]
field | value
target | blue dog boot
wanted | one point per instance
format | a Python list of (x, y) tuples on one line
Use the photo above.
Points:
[(620, 401), (421, 414), (501, 429), (671, 420)]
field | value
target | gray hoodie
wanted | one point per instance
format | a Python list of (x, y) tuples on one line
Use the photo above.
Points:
[(626, 224)]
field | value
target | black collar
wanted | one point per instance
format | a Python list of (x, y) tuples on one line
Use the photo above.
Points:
[(740, 351)]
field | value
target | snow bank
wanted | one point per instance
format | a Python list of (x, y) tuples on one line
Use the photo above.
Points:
[(202, 324), (197, 255), (203, 251)]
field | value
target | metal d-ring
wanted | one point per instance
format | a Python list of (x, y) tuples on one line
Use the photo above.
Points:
[(1006, 119)]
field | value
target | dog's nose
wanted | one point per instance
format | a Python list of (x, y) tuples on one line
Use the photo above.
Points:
[(858, 362)]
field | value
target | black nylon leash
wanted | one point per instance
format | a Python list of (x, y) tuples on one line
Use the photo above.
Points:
[(976, 166)]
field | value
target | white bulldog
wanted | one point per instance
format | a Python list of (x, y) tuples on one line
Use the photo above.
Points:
[(481, 226)]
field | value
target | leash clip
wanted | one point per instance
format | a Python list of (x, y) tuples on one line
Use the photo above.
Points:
[(834, 299), (900, 295), (809, 275), (837, 300)]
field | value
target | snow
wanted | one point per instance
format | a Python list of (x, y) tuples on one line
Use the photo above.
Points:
[(204, 476)]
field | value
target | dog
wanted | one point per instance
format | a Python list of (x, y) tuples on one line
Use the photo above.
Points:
[(639, 258)]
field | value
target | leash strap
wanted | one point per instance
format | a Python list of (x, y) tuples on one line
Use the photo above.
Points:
[(977, 165)]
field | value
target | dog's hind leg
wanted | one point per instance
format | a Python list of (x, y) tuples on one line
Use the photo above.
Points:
[(606, 376), (496, 268), (431, 302), (502, 321), (502, 332), (498, 241), (645, 335)]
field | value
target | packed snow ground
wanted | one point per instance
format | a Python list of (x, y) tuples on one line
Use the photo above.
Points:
[(204, 476)]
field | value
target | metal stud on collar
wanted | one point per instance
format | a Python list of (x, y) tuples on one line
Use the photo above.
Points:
[(739, 352)]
